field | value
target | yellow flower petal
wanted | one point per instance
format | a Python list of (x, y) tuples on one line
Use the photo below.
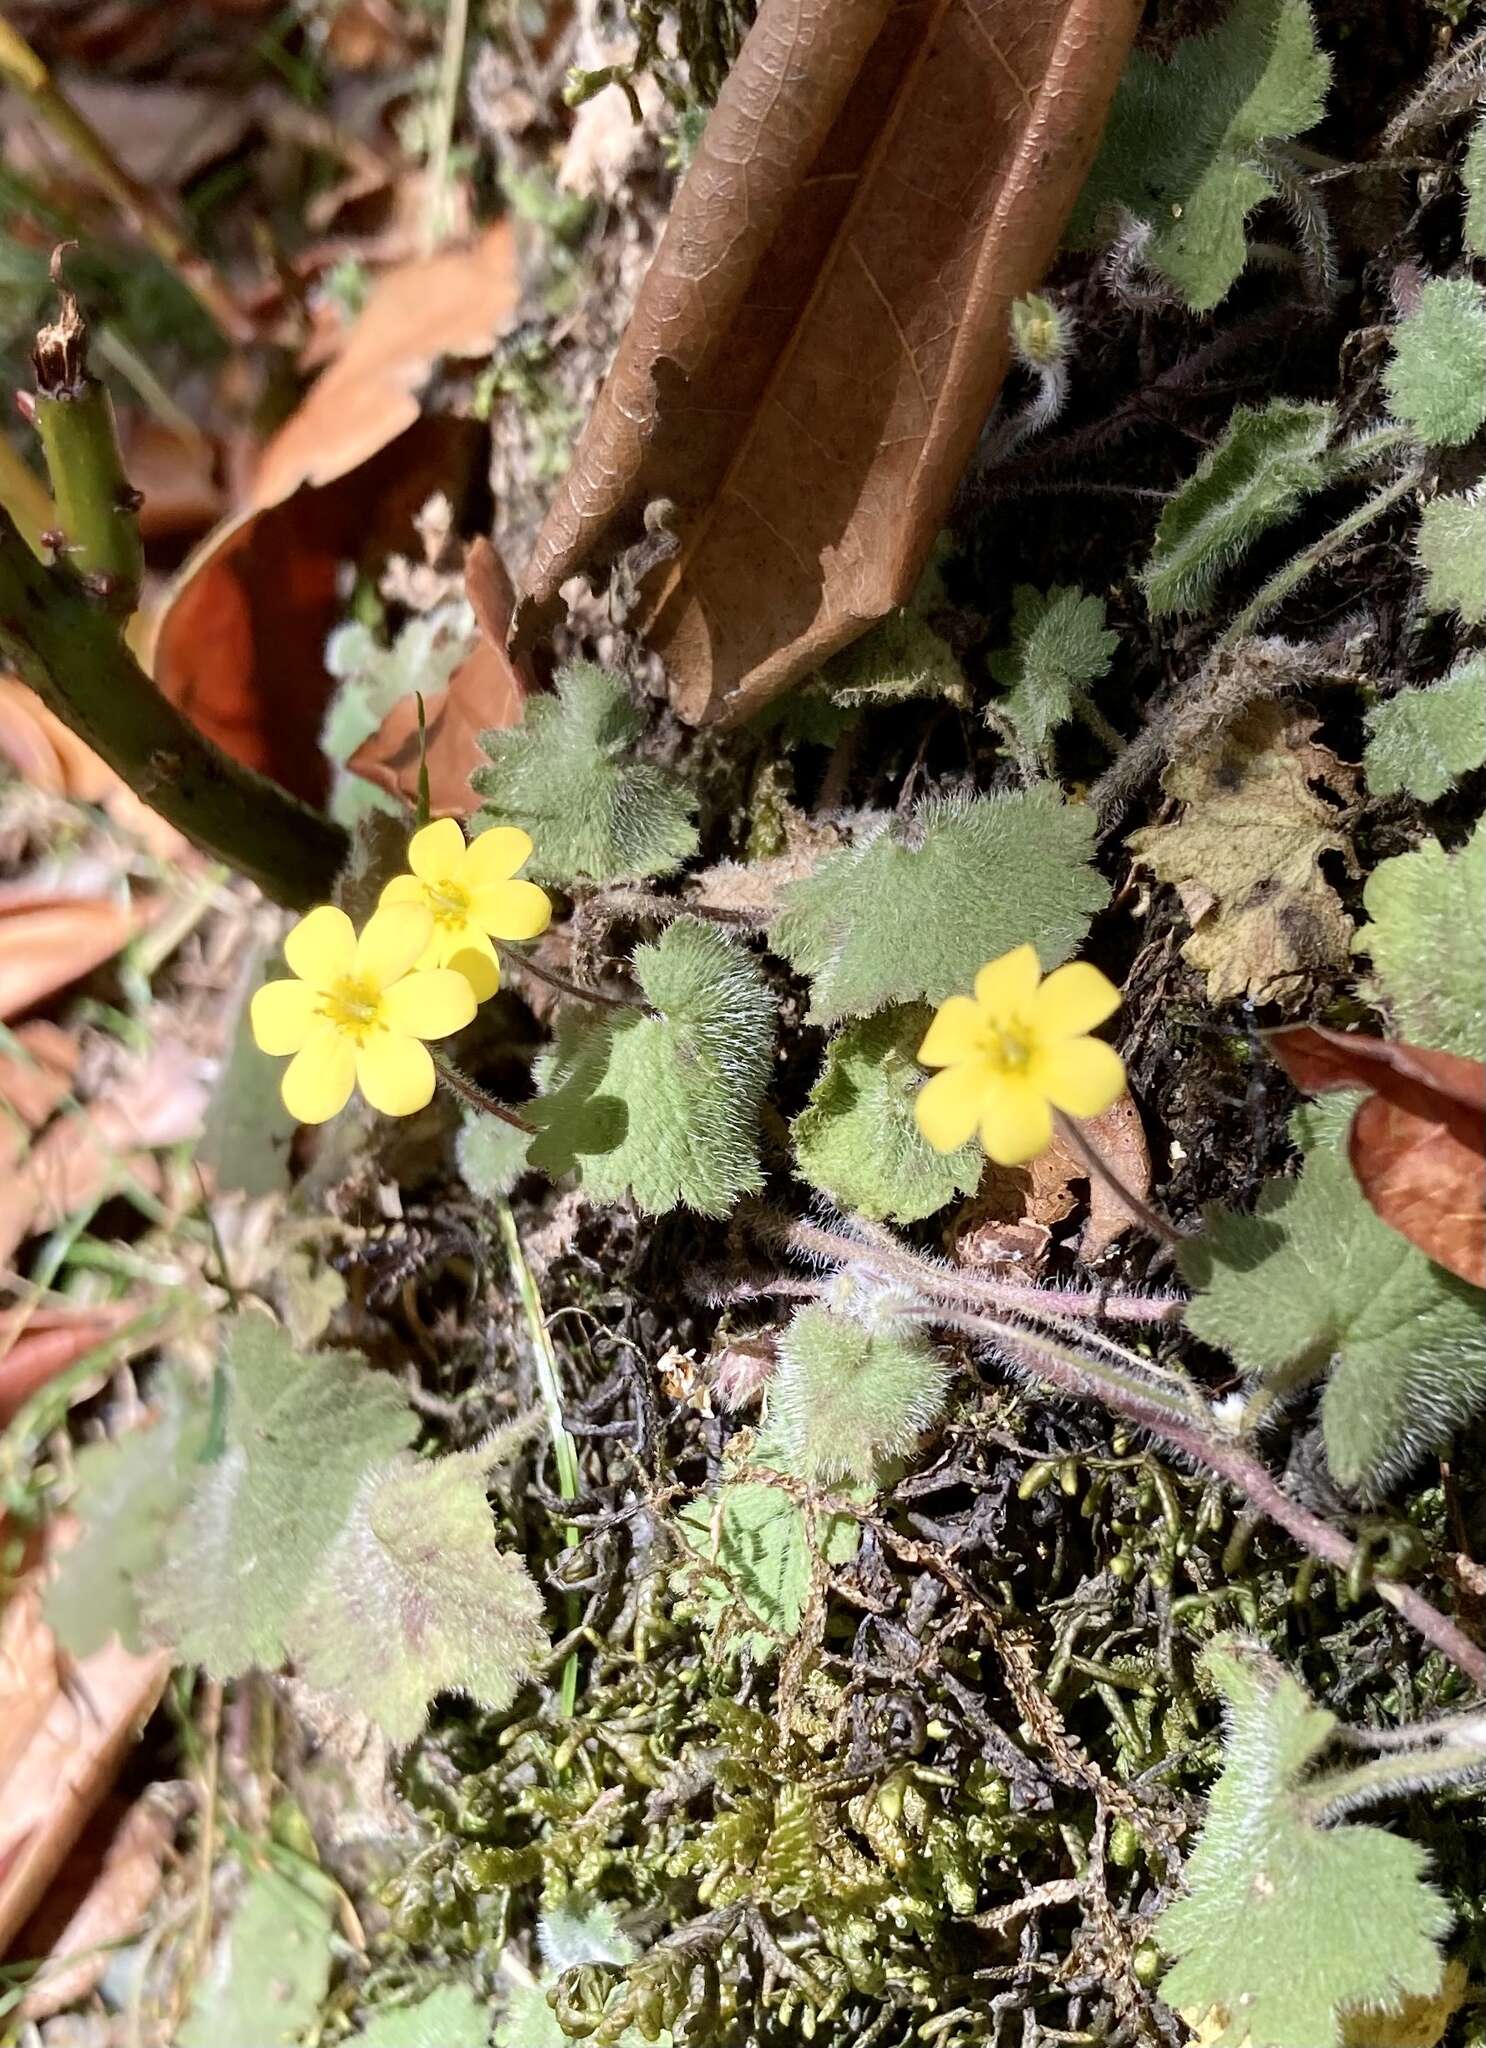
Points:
[(511, 910), (429, 1004), (321, 946), (474, 957), (318, 1080), (495, 856), (1004, 988), (1015, 1121), (1071, 1001), (405, 889), (947, 1107), (281, 1014), (395, 1073), (436, 853), (395, 938), (1080, 1076), (957, 1033)]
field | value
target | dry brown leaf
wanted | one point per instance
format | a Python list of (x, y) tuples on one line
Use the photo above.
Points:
[(176, 476), (487, 692), (50, 757), (33, 1081), (66, 1748), (240, 640), (48, 943), (159, 1101), (1009, 1225), (125, 1878), (1245, 855), (49, 1340), (825, 324), (1417, 1145)]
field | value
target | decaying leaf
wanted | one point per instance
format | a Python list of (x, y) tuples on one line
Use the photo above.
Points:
[(1245, 854), (826, 323), (48, 942), (48, 755), (239, 641), (37, 1347), (34, 1078), (486, 693), (1417, 1145)]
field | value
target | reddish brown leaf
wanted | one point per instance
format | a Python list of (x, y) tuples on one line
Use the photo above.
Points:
[(49, 756), (47, 943), (52, 1339), (61, 1748), (33, 1080), (240, 639), (1417, 1145), (488, 691), (825, 324)]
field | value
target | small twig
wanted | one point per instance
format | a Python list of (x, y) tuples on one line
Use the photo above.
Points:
[(549, 1386), (451, 70), (21, 66), (1074, 1136), (477, 1097), (573, 988)]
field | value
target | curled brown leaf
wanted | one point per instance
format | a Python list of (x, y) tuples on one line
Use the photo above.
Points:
[(825, 325)]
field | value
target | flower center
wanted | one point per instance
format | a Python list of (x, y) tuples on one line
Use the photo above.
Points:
[(1006, 1049), (449, 903), (353, 1005)]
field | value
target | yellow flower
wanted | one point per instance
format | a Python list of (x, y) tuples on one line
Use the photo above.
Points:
[(1013, 1053), (357, 1010), (471, 896)]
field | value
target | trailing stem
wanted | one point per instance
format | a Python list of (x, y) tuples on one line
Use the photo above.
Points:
[(474, 1095)]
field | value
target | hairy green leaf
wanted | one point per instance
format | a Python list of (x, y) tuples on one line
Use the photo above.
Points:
[(301, 1435), (664, 1106), (1060, 644), (129, 1492), (1473, 176), (1436, 381), (1183, 152), (847, 1396), (1286, 1922), (917, 905), (760, 1538), (568, 775), (1427, 942), (269, 1969), (1315, 1284), (1423, 741), (412, 1598), (856, 1139), (900, 657), (1253, 479), (1452, 553), (491, 1154), (451, 2017)]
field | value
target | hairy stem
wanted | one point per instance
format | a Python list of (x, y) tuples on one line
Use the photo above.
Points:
[(469, 1091), (572, 988), (22, 68), (1295, 571), (72, 654)]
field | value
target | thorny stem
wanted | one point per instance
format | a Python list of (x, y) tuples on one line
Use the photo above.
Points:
[(72, 654), (572, 988), (96, 523), (1074, 1136), (21, 66), (469, 1091), (24, 496), (1295, 571)]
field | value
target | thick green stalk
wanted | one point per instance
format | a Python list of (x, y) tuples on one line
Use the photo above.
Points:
[(73, 655), (96, 505)]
